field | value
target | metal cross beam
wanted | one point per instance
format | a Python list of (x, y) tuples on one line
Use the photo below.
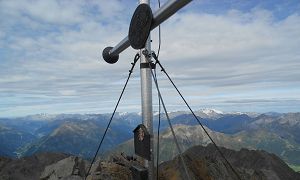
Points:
[(163, 13)]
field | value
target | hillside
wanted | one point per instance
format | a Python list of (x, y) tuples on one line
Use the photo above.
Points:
[(78, 137), (206, 163), (12, 139), (63, 133), (285, 125), (189, 136)]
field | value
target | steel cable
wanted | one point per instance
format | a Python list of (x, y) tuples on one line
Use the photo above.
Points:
[(136, 58), (215, 145), (171, 127)]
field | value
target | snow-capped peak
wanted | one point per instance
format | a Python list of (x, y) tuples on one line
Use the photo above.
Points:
[(123, 113), (156, 113), (41, 116), (211, 111)]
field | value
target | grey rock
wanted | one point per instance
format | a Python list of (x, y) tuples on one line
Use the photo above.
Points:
[(27, 168), (206, 163), (65, 169)]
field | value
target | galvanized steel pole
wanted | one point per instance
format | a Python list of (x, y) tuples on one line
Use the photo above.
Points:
[(146, 93)]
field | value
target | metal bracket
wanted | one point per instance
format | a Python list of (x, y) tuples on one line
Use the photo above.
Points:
[(147, 65)]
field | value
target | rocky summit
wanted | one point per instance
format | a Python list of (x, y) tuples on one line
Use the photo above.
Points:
[(27, 168), (203, 163), (206, 163)]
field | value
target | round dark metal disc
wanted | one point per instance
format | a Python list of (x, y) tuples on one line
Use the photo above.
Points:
[(140, 26)]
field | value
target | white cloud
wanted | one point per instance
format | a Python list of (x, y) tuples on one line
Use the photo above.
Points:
[(213, 58), (227, 46), (67, 92), (61, 12)]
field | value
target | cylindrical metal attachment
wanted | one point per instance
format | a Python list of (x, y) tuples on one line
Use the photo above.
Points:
[(109, 58)]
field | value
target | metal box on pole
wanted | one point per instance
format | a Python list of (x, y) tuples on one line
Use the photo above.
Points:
[(142, 142)]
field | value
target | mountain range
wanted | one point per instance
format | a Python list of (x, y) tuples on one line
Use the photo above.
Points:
[(77, 134), (71, 133)]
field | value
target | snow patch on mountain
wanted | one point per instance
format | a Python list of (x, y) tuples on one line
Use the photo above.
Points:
[(211, 111), (41, 117)]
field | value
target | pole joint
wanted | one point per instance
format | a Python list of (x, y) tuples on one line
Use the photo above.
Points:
[(146, 53)]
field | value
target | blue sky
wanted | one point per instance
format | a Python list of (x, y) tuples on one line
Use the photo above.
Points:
[(232, 55)]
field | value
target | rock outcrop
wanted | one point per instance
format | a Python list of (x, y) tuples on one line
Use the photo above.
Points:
[(27, 168), (76, 168), (68, 168), (118, 167), (205, 163)]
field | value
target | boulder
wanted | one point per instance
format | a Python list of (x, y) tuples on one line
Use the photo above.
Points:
[(68, 168), (27, 168)]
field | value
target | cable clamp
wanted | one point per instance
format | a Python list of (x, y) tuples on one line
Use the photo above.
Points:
[(148, 65), (136, 58), (146, 53), (157, 61)]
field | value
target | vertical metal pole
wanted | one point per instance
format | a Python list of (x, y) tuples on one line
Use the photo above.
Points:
[(146, 92)]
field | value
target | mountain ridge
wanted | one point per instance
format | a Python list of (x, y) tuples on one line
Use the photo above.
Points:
[(188, 136), (206, 163), (68, 132)]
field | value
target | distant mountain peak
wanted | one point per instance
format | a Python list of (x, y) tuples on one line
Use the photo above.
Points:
[(123, 113), (41, 116), (211, 111)]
